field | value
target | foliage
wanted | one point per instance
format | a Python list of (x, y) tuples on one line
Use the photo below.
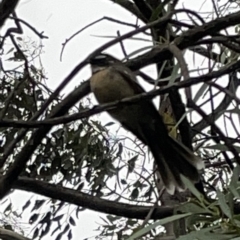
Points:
[(87, 157)]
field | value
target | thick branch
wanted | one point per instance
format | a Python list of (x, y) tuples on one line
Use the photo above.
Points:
[(186, 40), (6, 234), (103, 107), (6, 8), (156, 55), (20, 161), (19, 164), (143, 8), (130, 7), (22, 158), (95, 203), (88, 201)]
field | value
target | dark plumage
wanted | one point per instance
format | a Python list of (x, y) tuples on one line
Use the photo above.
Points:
[(112, 81)]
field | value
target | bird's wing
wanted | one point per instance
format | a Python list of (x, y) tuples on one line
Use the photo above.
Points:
[(129, 76), (148, 116), (147, 105), (171, 157)]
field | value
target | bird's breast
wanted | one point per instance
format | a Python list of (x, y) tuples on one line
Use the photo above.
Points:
[(108, 86)]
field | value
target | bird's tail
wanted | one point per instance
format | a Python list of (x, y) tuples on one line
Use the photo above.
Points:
[(175, 159)]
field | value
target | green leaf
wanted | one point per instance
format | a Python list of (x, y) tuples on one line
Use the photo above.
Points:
[(120, 149), (192, 188), (35, 234), (123, 181), (200, 92), (211, 233), (223, 204), (193, 208), (38, 204), (131, 163), (27, 204), (8, 208), (58, 218), (69, 235), (109, 124), (221, 147), (156, 224), (135, 193), (235, 110), (33, 218), (72, 222), (138, 51), (233, 186), (156, 12)]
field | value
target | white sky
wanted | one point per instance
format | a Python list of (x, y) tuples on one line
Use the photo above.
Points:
[(59, 19)]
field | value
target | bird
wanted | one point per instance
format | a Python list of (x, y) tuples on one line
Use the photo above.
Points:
[(111, 81)]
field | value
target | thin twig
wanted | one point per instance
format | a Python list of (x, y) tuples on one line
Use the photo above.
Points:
[(74, 72), (183, 66), (91, 24), (122, 46), (39, 34), (147, 95), (216, 129)]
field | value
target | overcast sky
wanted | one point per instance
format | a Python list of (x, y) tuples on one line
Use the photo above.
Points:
[(59, 19)]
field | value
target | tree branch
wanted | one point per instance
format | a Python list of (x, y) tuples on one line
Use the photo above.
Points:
[(232, 86), (130, 7), (6, 8), (103, 107), (216, 129), (18, 165), (6, 234), (187, 39), (95, 203), (143, 8), (88, 201)]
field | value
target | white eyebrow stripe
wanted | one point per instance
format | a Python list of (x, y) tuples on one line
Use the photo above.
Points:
[(100, 57)]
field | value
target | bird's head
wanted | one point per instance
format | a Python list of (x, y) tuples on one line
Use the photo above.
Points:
[(102, 61)]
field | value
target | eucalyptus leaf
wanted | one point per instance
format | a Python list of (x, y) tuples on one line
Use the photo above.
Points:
[(158, 223), (221, 147), (223, 204), (192, 188), (210, 233)]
